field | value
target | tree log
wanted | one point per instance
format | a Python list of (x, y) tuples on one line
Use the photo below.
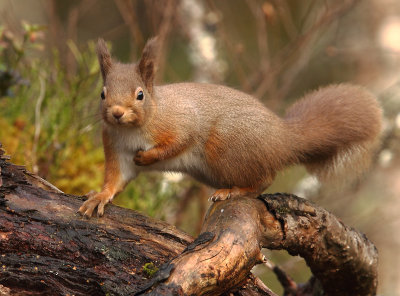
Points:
[(48, 249), (343, 260)]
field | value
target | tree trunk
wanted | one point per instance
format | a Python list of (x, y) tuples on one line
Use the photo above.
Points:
[(48, 249)]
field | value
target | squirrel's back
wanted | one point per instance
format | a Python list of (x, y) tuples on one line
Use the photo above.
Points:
[(331, 131), (233, 129)]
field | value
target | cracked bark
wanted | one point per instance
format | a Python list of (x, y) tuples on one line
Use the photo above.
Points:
[(46, 249)]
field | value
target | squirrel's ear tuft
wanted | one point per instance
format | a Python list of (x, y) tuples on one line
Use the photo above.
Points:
[(147, 63), (104, 58)]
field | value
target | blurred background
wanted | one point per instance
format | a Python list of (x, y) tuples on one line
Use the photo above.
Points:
[(276, 50)]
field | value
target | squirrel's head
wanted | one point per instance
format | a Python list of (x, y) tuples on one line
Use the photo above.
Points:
[(127, 96)]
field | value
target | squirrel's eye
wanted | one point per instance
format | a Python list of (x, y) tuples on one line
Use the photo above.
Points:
[(140, 95), (102, 95)]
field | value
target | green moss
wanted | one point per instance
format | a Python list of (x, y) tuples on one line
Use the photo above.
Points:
[(150, 269)]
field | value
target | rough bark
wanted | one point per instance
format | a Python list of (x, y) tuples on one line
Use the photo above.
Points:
[(340, 257), (343, 261), (46, 248)]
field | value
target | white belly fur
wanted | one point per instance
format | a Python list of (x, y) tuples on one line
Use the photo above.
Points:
[(128, 142)]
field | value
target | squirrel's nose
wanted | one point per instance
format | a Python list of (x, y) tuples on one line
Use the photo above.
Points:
[(117, 113)]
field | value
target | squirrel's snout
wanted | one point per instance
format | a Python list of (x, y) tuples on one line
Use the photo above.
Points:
[(121, 115), (117, 112)]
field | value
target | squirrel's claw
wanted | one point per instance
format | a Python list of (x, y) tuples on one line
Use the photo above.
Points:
[(220, 194), (99, 200), (139, 159), (223, 194), (143, 158)]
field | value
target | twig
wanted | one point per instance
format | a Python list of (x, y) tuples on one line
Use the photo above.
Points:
[(305, 55), (231, 51), (260, 285), (286, 18), (126, 9), (262, 34), (165, 27), (288, 284), (294, 50), (72, 37), (43, 183), (37, 123)]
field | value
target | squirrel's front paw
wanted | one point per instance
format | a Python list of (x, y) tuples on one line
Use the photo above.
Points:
[(145, 157), (98, 200)]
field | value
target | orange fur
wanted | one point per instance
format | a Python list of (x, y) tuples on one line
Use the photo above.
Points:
[(214, 147), (166, 145), (224, 158), (113, 181)]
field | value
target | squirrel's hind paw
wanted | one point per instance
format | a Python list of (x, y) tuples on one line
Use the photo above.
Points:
[(223, 194)]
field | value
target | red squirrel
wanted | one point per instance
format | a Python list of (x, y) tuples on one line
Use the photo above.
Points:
[(221, 136)]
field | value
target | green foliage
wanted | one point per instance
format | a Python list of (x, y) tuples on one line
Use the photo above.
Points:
[(150, 194), (48, 120)]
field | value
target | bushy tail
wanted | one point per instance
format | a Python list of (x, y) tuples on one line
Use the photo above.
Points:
[(337, 130)]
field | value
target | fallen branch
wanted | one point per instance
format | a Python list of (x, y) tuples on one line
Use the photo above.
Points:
[(46, 248), (342, 259)]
